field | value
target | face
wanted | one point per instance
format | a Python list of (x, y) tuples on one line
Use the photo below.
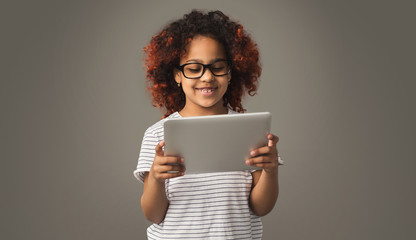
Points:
[(204, 94)]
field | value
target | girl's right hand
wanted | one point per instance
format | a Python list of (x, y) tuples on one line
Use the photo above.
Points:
[(165, 167)]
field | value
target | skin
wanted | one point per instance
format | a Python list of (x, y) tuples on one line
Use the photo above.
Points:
[(203, 50), (265, 188)]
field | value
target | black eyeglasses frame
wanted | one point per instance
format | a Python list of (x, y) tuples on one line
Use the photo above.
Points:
[(205, 66)]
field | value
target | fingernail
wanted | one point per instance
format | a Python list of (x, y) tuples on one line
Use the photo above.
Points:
[(252, 153), (182, 160), (247, 162)]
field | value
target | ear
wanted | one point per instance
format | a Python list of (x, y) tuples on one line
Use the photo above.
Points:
[(177, 75)]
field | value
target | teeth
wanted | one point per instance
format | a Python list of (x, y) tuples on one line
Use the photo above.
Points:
[(206, 90)]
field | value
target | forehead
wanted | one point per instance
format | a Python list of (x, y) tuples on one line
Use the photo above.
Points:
[(203, 48)]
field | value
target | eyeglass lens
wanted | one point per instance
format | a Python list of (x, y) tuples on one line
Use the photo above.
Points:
[(196, 70)]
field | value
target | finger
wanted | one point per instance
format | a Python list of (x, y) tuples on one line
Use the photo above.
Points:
[(169, 160), (169, 168), (261, 151), (170, 175), (273, 139), (262, 162), (264, 165), (259, 160), (159, 148)]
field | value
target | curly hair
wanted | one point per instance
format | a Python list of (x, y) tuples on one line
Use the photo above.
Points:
[(164, 51)]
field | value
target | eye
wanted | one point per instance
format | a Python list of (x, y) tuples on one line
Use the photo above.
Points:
[(195, 68), (220, 67), (217, 68)]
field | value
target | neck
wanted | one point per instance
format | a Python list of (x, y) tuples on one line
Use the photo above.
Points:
[(186, 112)]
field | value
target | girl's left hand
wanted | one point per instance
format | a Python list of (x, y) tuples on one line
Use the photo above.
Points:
[(265, 157)]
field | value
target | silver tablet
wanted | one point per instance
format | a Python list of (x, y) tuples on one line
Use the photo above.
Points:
[(216, 143)]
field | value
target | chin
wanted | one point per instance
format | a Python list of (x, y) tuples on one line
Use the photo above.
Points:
[(215, 105)]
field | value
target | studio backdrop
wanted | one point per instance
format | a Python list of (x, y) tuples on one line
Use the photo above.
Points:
[(338, 78)]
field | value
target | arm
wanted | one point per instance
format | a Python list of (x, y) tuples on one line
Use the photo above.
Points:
[(154, 201), (265, 187)]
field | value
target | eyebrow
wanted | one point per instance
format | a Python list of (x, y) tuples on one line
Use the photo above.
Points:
[(199, 60)]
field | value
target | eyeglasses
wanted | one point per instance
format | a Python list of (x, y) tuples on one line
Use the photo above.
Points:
[(196, 70)]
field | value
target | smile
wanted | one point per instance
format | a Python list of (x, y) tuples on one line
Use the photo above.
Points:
[(206, 91)]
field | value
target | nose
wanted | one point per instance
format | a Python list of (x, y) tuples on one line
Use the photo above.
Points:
[(207, 76)]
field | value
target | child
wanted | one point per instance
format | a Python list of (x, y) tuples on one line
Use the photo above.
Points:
[(201, 65)]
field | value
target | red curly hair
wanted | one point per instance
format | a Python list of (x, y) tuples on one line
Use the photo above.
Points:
[(165, 49)]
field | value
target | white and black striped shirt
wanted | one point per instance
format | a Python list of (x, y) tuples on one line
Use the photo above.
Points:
[(201, 206)]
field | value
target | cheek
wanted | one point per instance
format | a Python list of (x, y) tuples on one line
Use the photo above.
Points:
[(188, 86), (226, 85)]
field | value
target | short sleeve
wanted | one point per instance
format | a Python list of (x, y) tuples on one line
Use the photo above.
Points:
[(147, 154)]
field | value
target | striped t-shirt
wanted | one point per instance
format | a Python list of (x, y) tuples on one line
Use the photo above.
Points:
[(201, 206)]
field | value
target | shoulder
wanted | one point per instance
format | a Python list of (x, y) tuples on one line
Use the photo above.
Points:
[(230, 111), (157, 128)]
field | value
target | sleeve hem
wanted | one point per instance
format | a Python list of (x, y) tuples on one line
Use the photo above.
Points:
[(139, 174)]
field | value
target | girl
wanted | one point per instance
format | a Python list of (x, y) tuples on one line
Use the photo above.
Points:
[(201, 65)]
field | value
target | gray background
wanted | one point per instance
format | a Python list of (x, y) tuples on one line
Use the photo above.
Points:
[(338, 77)]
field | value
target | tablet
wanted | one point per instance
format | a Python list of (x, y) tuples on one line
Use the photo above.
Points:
[(216, 143)]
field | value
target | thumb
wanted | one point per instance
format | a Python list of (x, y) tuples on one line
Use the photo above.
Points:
[(273, 139), (159, 148)]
